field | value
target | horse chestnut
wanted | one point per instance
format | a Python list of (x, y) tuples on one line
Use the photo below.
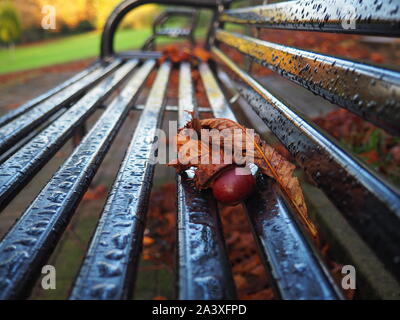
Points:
[(233, 186)]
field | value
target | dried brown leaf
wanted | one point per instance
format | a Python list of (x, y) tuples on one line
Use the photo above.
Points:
[(269, 161)]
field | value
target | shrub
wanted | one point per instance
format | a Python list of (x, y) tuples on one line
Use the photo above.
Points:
[(84, 26), (10, 23)]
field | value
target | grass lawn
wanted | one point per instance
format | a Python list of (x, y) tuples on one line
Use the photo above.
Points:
[(77, 47), (66, 49)]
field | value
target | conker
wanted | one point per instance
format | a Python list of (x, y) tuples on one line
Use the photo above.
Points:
[(233, 186)]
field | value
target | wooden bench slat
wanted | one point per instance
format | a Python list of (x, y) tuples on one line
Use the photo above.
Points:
[(262, 218), (14, 130), (204, 269), (369, 203), (11, 115), (370, 92), (370, 16), (109, 268), (23, 165), (29, 243)]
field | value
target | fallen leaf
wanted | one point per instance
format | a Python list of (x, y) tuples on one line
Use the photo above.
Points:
[(201, 53), (96, 193), (371, 156), (269, 161), (147, 241)]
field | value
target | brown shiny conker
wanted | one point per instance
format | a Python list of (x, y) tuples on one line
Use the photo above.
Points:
[(233, 185)]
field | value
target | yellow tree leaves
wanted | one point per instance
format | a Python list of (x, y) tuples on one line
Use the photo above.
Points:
[(71, 13)]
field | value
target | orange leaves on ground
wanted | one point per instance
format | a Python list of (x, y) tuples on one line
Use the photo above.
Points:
[(193, 151), (395, 153), (159, 239), (147, 241), (355, 47), (248, 271), (13, 106), (372, 144), (201, 54), (370, 156), (249, 274), (176, 54), (96, 193)]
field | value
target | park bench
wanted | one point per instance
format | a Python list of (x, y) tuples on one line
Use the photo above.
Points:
[(367, 201)]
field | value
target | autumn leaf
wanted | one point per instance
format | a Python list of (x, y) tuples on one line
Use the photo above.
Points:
[(272, 164), (147, 241), (96, 193), (269, 161), (201, 54), (176, 54), (371, 156)]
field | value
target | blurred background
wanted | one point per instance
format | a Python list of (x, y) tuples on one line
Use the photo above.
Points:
[(25, 44)]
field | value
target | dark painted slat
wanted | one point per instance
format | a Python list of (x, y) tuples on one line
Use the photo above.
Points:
[(173, 108), (9, 116), (12, 150), (204, 269), (109, 268), (138, 55), (369, 203), (14, 130), (262, 213), (370, 92), (27, 246), (371, 16), (292, 261), (23, 165)]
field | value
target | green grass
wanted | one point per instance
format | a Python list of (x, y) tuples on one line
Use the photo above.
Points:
[(77, 47), (67, 49)]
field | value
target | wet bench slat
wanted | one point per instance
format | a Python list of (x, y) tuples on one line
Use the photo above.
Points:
[(279, 257), (293, 262), (23, 165), (109, 268), (343, 16), (31, 103), (204, 270), (28, 137), (369, 203), (370, 92), (29, 243), (14, 130)]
